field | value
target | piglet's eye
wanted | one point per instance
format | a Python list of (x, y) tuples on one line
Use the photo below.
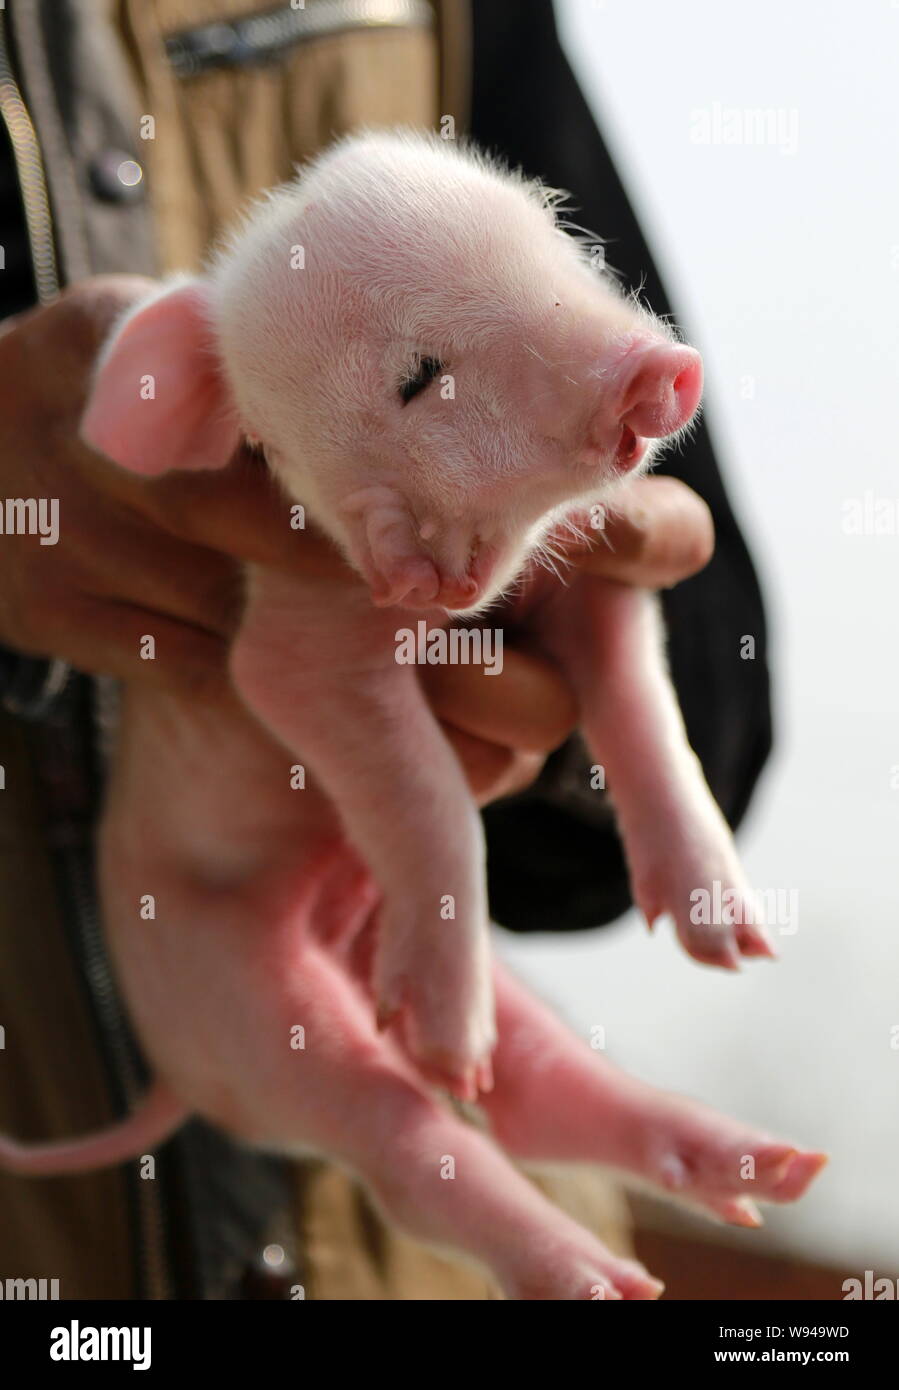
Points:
[(421, 373)]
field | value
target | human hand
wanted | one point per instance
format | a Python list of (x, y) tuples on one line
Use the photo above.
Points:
[(504, 728), (163, 555), (133, 556)]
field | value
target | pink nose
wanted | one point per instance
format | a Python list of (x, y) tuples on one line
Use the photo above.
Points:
[(660, 389)]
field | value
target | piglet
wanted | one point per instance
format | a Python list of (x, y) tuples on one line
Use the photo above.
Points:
[(438, 376), (441, 378)]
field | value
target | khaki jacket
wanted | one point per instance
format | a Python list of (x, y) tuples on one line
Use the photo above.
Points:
[(128, 87)]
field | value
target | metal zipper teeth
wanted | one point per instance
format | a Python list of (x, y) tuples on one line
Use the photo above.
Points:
[(30, 172), (152, 1247), (152, 1258), (62, 757), (261, 37)]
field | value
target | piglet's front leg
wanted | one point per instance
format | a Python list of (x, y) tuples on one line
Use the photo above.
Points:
[(319, 670), (679, 849)]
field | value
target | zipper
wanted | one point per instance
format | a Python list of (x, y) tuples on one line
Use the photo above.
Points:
[(30, 174), (152, 1246), (150, 1238), (68, 765), (261, 38), (60, 764)]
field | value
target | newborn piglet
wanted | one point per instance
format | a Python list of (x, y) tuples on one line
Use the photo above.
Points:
[(440, 377), (438, 373)]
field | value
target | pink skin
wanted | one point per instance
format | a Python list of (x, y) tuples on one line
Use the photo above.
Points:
[(607, 638), (266, 917), (536, 402), (653, 392), (265, 922), (556, 1099)]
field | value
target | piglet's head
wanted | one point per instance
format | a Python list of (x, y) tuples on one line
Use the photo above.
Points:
[(433, 367)]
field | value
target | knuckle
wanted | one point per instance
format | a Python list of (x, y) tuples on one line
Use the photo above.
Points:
[(522, 769), (199, 669)]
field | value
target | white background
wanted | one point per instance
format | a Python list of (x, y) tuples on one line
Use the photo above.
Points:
[(785, 269)]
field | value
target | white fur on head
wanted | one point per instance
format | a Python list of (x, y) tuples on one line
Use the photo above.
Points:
[(397, 246)]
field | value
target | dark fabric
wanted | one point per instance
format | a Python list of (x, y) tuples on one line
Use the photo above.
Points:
[(554, 858), (16, 281), (20, 677)]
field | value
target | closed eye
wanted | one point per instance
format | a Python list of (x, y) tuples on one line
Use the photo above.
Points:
[(421, 374)]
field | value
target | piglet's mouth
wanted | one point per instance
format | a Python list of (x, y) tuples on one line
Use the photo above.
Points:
[(631, 450), (419, 583), (469, 591)]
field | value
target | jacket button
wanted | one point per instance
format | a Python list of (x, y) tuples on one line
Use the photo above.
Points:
[(116, 177)]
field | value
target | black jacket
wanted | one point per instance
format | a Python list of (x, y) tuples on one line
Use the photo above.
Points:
[(555, 862)]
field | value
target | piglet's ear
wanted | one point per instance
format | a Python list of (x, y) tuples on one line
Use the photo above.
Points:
[(159, 400)]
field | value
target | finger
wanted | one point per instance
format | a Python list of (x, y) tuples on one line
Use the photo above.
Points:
[(197, 587), (147, 567), (659, 533), (492, 770), (240, 511), (133, 643), (69, 333), (528, 706)]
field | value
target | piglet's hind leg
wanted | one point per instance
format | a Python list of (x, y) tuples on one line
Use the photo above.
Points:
[(556, 1099), (447, 1184), (351, 1093)]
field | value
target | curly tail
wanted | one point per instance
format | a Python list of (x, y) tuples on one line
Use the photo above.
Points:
[(157, 1117)]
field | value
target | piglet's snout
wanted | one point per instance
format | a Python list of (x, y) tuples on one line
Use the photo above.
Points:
[(650, 392), (658, 388)]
